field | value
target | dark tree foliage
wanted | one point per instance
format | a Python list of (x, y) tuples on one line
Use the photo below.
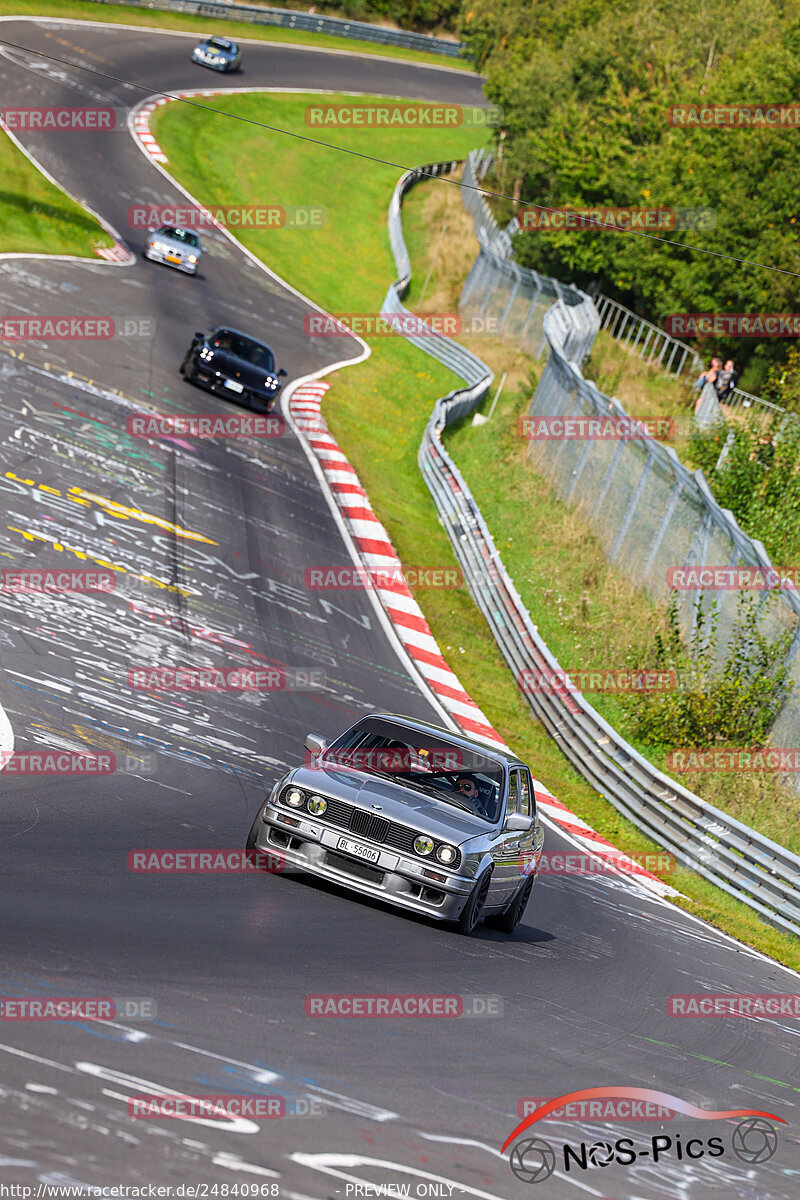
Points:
[(585, 88)]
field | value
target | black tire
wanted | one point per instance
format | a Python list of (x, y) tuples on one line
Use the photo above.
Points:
[(250, 844), (510, 919), (470, 917)]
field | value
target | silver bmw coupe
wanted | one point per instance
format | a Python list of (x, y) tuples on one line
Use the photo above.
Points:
[(413, 815)]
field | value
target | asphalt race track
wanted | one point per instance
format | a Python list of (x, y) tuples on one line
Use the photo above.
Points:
[(225, 531)]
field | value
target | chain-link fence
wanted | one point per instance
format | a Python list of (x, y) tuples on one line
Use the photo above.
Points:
[(650, 512)]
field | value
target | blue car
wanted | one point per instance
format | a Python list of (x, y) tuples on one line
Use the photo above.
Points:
[(220, 54)]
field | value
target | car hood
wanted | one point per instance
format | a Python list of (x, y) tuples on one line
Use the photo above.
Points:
[(235, 368), (398, 803)]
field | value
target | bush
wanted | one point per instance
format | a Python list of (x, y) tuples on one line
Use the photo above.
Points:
[(734, 703)]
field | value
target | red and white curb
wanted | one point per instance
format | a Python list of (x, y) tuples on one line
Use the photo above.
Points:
[(141, 129), (378, 554)]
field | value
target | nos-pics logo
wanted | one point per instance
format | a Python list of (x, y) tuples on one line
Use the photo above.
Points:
[(754, 1140)]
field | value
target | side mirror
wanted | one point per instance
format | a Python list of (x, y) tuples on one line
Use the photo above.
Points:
[(282, 372), (517, 823), (314, 743), (199, 337)]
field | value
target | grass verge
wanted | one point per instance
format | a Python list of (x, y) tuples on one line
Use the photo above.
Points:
[(110, 14), (378, 410), (36, 217)]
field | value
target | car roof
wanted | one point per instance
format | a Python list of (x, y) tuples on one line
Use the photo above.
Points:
[(248, 336), (220, 41), (504, 756)]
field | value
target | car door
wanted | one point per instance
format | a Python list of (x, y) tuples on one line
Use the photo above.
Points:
[(506, 849)]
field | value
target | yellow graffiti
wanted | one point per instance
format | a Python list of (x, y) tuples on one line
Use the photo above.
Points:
[(121, 511), (124, 513), (102, 562)]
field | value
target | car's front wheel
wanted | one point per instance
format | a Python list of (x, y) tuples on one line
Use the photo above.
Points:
[(510, 919), (250, 844), (471, 914)]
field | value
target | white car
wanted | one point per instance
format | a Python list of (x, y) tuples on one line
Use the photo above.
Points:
[(175, 247)]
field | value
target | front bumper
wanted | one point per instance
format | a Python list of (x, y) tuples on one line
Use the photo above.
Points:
[(223, 66), (395, 878), (216, 384), (161, 256)]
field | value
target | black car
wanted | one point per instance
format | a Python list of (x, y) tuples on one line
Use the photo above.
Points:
[(234, 365)]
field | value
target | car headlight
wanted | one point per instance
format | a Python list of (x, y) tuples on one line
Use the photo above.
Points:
[(206, 354), (446, 854), (192, 258), (423, 845), (156, 246), (295, 798), (317, 805)]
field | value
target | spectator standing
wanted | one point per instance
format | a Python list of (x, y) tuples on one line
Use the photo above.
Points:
[(726, 379)]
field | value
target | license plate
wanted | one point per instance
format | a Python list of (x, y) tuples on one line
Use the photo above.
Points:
[(359, 851), (235, 387), (173, 258)]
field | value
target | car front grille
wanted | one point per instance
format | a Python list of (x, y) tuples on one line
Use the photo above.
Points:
[(365, 824)]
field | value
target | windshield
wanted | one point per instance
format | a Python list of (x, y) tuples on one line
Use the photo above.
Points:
[(180, 235), (219, 44), (464, 778), (244, 348)]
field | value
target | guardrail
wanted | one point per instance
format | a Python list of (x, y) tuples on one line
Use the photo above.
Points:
[(653, 344), (287, 18), (741, 861)]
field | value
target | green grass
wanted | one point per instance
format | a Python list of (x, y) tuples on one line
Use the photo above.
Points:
[(38, 218), (239, 30), (379, 409)]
